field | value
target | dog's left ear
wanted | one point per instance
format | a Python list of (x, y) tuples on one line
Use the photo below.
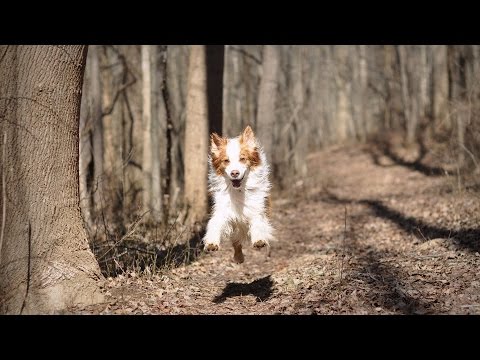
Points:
[(215, 142), (248, 137)]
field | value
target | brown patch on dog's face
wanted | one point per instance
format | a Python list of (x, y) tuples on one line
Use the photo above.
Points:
[(218, 146), (251, 158), (249, 154)]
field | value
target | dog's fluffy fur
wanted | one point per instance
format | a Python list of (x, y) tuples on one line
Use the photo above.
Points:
[(240, 186)]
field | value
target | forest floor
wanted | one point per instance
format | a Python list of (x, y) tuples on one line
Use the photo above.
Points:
[(372, 231)]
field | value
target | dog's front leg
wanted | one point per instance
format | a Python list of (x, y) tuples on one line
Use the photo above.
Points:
[(261, 232), (212, 237)]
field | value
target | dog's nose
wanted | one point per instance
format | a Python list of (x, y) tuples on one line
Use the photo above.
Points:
[(235, 173)]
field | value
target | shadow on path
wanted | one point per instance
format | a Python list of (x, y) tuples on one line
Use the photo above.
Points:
[(260, 288)]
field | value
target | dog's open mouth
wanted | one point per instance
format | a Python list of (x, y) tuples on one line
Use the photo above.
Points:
[(236, 183)]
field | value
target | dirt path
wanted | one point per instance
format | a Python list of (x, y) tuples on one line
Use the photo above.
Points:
[(372, 236)]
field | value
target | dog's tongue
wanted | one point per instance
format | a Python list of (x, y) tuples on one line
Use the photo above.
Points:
[(236, 183)]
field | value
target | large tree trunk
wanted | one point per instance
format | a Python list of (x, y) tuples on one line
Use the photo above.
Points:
[(46, 264), (196, 135), (266, 99)]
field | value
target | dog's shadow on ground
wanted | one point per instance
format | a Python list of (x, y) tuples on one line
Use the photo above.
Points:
[(260, 288)]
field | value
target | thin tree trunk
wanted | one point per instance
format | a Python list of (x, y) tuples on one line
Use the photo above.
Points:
[(458, 92), (388, 60), (95, 101), (365, 100), (46, 264), (410, 101), (300, 140), (168, 133), (266, 99), (439, 97), (215, 59), (231, 91), (196, 135), (147, 127), (344, 119), (237, 94), (85, 157), (114, 156), (177, 67), (357, 93), (423, 67), (152, 195)]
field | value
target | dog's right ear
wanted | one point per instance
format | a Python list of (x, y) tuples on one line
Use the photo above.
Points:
[(215, 142)]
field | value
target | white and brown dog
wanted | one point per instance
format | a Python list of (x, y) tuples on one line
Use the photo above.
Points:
[(240, 186)]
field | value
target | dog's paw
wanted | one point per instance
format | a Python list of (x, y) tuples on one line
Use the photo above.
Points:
[(259, 244), (211, 247)]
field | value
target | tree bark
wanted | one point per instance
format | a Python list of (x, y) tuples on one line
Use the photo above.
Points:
[(439, 100), (177, 77), (266, 99), (95, 101), (300, 134), (46, 264), (152, 195), (215, 55), (85, 157), (344, 121), (196, 135), (409, 95), (113, 136)]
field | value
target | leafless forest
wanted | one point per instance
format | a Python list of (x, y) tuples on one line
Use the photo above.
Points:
[(375, 153)]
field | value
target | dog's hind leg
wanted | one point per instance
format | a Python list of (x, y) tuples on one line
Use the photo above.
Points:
[(236, 237), (238, 253)]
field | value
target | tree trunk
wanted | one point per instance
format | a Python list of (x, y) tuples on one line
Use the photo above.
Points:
[(409, 97), (388, 66), (439, 96), (177, 69), (300, 134), (152, 195), (266, 99), (365, 101), (113, 135), (458, 94), (423, 78), (85, 157), (167, 132), (344, 121), (196, 135), (215, 63), (95, 101), (46, 264)]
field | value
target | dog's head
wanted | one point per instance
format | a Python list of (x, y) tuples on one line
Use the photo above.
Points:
[(233, 158)]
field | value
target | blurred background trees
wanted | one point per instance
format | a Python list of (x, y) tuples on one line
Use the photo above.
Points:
[(147, 111)]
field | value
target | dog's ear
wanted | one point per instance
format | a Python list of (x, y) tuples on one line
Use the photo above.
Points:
[(248, 137), (215, 142)]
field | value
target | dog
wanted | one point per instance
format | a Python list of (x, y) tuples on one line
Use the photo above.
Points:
[(239, 184)]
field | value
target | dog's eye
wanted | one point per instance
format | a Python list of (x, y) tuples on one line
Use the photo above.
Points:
[(226, 161), (242, 158)]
